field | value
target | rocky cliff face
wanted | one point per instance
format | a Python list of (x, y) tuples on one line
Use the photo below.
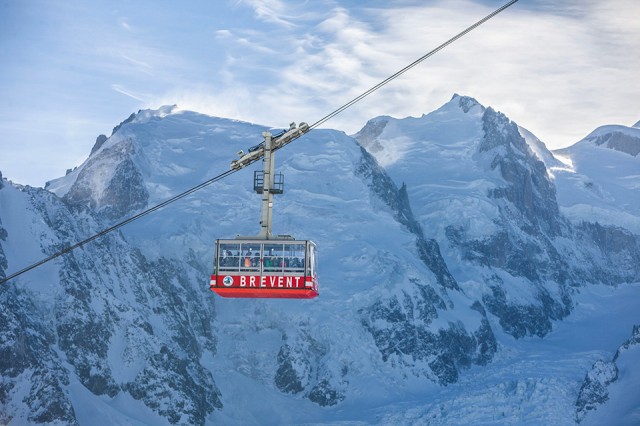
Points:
[(604, 377), (510, 220), (528, 220), (593, 391), (109, 319), (111, 192), (407, 318), (619, 141)]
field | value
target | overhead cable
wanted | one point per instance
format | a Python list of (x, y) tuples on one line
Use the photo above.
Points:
[(231, 171), (119, 225), (411, 65)]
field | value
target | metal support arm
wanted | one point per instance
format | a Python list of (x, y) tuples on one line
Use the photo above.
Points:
[(290, 135)]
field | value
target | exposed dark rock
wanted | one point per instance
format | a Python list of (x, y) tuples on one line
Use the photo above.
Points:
[(401, 330), (47, 400), (90, 312), (466, 103), (619, 141), (528, 222), (633, 341), (4, 264), (177, 388), (398, 201), (100, 140), (521, 320), (128, 120), (126, 191), (593, 391), (618, 253), (368, 136), (287, 378), (26, 349), (301, 370), (528, 189), (123, 192), (325, 395)]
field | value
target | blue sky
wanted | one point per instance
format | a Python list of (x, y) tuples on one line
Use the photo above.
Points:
[(74, 69)]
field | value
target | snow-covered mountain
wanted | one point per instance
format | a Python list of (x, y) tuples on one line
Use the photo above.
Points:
[(448, 256), (601, 178), (100, 330), (470, 172), (610, 387)]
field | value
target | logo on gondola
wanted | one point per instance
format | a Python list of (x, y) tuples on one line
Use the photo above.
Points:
[(227, 281)]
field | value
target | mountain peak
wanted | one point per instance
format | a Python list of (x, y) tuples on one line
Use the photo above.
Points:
[(144, 115), (391, 139), (147, 114), (465, 102), (637, 125), (369, 134)]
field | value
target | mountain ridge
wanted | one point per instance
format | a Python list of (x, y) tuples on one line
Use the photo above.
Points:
[(426, 276)]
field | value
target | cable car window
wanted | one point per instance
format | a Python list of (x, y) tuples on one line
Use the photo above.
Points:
[(228, 257), (314, 261), (250, 257), (294, 258), (273, 257), (312, 264)]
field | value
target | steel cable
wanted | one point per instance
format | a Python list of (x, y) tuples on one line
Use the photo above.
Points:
[(231, 171)]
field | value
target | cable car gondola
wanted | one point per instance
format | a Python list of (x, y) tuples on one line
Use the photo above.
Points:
[(266, 265), (265, 268)]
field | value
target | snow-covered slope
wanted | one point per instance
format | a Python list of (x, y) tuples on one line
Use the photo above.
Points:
[(610, 388), (100, 330), (601, 180), (444, 267), (378, 269), (479, 190)]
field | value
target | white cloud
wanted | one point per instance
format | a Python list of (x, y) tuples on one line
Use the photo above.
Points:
[(271, 11), (223, 34), (124, 24), (559, 73), (558, 68), (139, 65), (133, 95), (555, 71)]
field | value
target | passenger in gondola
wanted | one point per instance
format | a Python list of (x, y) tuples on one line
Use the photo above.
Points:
[(269, 260)]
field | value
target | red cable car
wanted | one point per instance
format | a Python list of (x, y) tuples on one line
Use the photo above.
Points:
[(266, 266), (272, 268)]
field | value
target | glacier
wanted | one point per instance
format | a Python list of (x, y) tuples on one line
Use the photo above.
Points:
[(468, 275)]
